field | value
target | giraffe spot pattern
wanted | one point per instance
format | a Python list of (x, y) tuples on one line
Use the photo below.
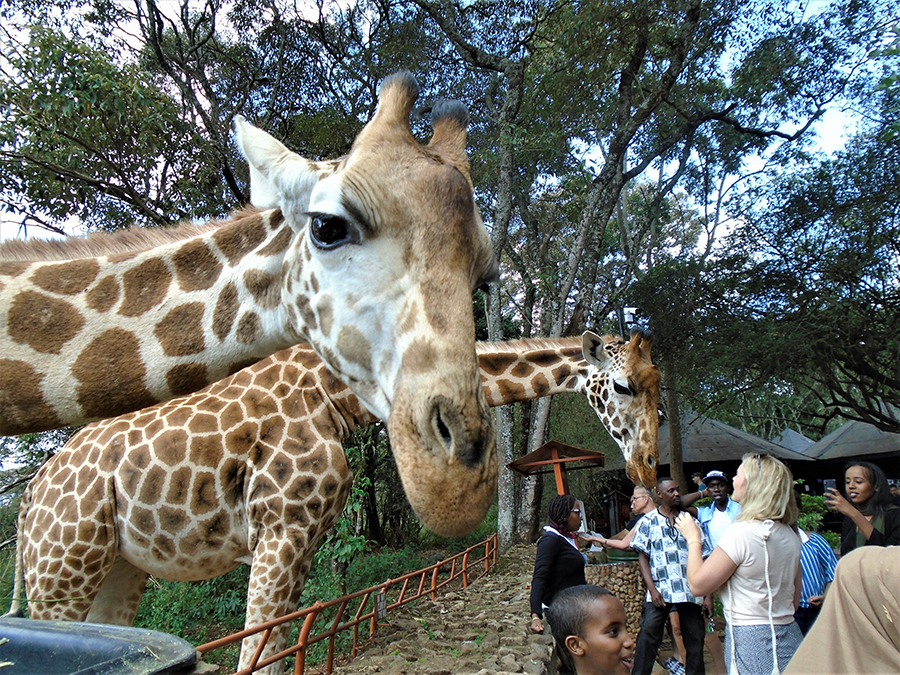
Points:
[(325, 313), (196, 266), (144, 287), (180, 331), (249, 328), (13, 269), (170, 448), (152, 485), (302, 307), (21, 399), (110, 374), (264, 287), (203, 493), (68, 278), (103, 295), (419, 357), (281, 241), (226, 311), (205, 451), (186, 377), (43, 323), (179, 486), (353, 346), (236, 242)]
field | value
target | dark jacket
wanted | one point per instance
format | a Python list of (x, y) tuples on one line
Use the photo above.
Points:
[(889, 537), (557, 565)]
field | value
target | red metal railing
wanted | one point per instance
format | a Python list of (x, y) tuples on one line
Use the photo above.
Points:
[(373, 604)]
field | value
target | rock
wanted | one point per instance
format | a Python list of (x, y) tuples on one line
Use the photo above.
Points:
[(479, 630)]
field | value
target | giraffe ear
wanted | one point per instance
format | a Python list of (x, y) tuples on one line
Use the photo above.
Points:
[(276, 173), (643, 341), (449, 120), (592, 349)]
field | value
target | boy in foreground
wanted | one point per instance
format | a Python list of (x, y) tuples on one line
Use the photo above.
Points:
[(588, 623)]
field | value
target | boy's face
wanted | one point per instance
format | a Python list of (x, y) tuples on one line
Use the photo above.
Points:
[(606, 648)]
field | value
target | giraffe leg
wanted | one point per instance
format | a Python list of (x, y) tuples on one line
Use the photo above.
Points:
[(120, 595), (277, 576), (65, 564)]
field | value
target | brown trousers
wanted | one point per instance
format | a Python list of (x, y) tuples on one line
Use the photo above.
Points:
[(858, 629)]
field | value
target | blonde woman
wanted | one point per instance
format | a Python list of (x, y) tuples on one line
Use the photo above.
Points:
[(757, 564)]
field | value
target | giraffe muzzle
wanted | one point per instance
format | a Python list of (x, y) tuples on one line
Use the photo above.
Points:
[(446, 456), (467, 443)]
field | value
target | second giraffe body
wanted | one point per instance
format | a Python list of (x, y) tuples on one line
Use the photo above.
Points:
[(252, 470)]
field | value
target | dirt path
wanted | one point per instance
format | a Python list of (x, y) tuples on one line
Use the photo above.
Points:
[(482, 629)]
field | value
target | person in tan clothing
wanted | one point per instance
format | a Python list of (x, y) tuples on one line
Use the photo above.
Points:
[(858, 629)]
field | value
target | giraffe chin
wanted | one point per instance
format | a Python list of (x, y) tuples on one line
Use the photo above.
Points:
[(450, 497)]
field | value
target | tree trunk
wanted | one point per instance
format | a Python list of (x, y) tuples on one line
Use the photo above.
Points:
[(507, 531), (673, 412)]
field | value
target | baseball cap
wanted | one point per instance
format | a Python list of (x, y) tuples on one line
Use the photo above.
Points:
[(715, 474)]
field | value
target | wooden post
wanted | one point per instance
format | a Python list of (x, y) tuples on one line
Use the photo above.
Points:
[(559, 470)]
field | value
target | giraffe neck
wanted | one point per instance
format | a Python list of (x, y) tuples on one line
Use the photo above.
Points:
[(524, 370), (511, 372), (131, 329)]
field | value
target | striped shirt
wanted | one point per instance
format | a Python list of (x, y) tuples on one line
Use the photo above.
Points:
[(817, 563)]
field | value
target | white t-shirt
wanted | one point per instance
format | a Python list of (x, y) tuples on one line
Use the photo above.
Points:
[(744, 596), (720, 521)]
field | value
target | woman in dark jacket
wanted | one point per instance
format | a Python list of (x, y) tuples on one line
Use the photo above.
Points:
[(865, 502), (558, 563)]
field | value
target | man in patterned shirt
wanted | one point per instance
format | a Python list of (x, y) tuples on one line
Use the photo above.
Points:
[(663, 558)]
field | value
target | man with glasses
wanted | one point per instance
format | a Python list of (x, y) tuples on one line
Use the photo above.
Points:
[(641, 504), (663, 554)]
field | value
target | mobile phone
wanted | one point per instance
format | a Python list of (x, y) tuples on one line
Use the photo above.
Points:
[(830, 484)]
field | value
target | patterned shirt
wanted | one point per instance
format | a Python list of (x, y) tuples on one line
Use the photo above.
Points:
[(667, 550), (817, 563)]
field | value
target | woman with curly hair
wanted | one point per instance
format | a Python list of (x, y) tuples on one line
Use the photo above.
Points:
[(559, 563), (757, 565)]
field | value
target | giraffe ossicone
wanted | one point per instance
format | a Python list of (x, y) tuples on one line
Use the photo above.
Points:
[(252, 469), (371, 258)]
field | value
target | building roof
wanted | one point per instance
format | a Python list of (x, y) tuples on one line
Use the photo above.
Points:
[(794, 440), (707, 441), (854, 439)]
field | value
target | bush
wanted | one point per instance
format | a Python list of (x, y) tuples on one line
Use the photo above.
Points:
[(812, 512)]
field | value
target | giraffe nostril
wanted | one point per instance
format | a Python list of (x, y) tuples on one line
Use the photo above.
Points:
[(467, 444), (443, 431)]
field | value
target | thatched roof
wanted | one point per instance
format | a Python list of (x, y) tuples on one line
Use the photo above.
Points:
[(855, 439), (707, 441)]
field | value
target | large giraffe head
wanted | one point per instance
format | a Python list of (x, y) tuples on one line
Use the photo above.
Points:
[(624, 392), (396, 223)]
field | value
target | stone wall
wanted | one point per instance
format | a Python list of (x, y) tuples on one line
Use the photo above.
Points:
[(624, 581)]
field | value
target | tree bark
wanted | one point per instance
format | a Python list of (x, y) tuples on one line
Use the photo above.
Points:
[(673, 411)]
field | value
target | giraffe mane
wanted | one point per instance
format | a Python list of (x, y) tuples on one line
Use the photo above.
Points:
[(133, 239), (532, 344)]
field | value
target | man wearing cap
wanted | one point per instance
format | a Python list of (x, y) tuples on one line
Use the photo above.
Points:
[(715, 518)]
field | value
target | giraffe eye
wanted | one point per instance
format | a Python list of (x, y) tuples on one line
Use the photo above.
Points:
[(329, 232), (622, 389)]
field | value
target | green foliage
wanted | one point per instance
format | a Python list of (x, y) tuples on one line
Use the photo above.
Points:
[(191, 610), (372, 569), (100, 137)]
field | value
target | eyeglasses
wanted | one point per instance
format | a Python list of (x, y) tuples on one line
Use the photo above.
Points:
[(634, 499), (578, 511)]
